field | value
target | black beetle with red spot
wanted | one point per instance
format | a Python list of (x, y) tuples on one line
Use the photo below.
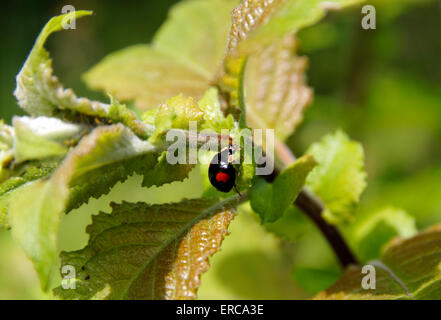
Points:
[(221, 172)]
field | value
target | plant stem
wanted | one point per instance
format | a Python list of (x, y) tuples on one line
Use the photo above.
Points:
[(313, 208)]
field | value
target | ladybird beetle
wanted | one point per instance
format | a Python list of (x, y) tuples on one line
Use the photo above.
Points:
[(221, 171)]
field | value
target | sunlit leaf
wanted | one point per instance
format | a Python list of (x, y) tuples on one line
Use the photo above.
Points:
[(6, 153), (258, 23), (274, 86), (40, 93), (214, 118), (149, 252), (42, 137), (408, 269), (19, 177), (339, 178), (250, 266), (6, 136), (276, 90), (270, 200), (292, 226), (184, 57)]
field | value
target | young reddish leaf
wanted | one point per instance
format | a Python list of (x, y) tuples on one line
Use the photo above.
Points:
[(273, 83), (149, 252)]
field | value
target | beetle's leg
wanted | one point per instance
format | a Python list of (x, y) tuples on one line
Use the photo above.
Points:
[(237, 190)]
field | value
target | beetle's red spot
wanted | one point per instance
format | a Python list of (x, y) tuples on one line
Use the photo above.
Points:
[(222, 177)]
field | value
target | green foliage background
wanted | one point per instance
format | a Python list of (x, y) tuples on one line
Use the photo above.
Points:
[(382, 87)]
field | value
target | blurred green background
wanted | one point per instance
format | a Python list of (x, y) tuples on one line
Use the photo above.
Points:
[(383, 87)]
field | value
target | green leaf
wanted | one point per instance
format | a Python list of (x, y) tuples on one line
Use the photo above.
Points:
[(270, 200), (214, 118), (40, 93), (6, 136), (275, 20), (164, 172), (274, 82), (20, 176), (176, 113), (314, 280), (425, 202), (108, 155), (292, 226), (252, 264), (184, 57), (34, 216), (408, 269), (339, 178), (371, 231), (276, 90), (42, 137), (148, 252), (232, 86), (6, 153)]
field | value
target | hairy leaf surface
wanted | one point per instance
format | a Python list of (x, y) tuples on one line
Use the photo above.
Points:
[(40, 93), (149, 252), (372, 230), (258, 23), (184, 57), (43, 137)]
